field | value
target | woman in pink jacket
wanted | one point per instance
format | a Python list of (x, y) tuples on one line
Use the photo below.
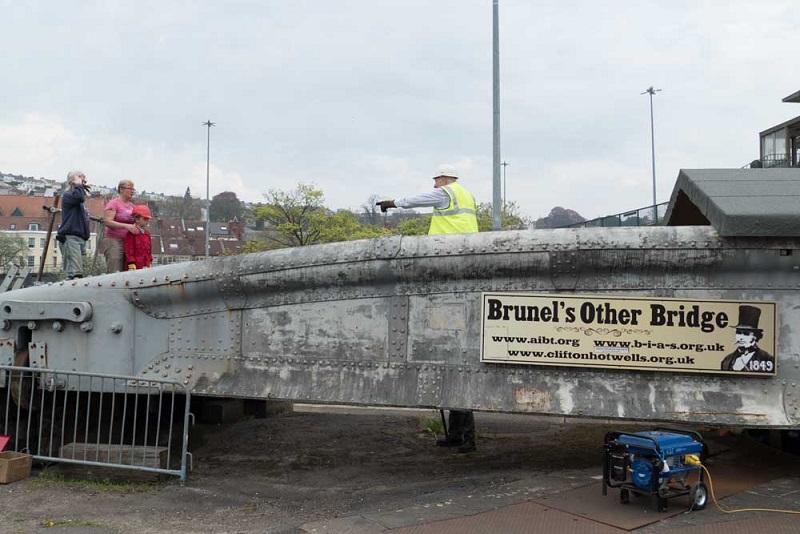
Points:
[(119, 221)]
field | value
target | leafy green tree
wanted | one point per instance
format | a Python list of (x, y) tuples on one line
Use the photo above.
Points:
[(344, 226), (510, 218), (416, 226), (10, 246), (255, 246), (295, 218), (191, 208), (298, 218), (185, 207), (225, 207)]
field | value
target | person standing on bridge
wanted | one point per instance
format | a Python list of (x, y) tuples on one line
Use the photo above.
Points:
[(453, 206), (138, 251), (73, 232), (453, 213), (118, 221)]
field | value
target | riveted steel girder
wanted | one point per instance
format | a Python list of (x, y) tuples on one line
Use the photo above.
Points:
[(397, 322)]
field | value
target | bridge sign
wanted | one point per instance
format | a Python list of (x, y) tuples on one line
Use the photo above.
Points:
[(708, 336)]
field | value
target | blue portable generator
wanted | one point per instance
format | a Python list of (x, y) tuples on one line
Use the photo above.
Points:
[(656, 463)]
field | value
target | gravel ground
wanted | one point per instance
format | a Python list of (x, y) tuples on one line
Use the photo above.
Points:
[(291, 469)]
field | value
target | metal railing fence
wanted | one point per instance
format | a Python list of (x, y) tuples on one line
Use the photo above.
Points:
[(94, 419), (647, 216), (771, 161)]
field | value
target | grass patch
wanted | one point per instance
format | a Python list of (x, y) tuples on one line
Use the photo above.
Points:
[(68, 523), (249, 508), (47, 479), (432, 425)]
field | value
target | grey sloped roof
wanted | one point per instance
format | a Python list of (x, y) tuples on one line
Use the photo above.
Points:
[(738, 202), (794, 97)]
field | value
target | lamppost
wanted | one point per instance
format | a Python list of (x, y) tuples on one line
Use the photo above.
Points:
[(496, 201), (650, 91), (209, 124), (504, 164)]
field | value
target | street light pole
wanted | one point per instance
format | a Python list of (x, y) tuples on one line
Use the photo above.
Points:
[(496, 223), (209, 124), (504, 164), (650, 91)]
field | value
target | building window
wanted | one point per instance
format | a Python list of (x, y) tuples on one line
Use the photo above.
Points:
[(55, 261), (33, 227), (41, 242), (31, 242), (31, 261), (12, 226)]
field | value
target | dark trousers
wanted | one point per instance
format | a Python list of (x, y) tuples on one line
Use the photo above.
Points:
[(461, 427)]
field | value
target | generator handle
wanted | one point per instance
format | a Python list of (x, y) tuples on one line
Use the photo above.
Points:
[(691, 433), (612, 437)]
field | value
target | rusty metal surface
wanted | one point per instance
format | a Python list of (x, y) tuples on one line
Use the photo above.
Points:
[(396, 322)]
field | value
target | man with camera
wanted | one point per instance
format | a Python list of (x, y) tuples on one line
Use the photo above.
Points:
[(73, 232)]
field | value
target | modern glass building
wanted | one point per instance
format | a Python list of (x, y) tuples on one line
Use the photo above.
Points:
[(780, 145)]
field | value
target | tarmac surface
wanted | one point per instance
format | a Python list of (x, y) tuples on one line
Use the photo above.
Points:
[(749, 475), (364, 471)]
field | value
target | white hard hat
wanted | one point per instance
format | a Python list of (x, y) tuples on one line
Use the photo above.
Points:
[(446, 170)]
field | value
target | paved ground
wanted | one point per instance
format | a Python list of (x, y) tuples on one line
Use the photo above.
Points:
[(371, 472)]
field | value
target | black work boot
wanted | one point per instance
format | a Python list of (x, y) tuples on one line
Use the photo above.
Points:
[(455, 432), (468, 444)]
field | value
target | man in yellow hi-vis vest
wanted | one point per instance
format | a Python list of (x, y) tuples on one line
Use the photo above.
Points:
[(453, 213), (453, 206)]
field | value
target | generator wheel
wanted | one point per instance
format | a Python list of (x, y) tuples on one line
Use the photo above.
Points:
[(624, 496), (698, 495)]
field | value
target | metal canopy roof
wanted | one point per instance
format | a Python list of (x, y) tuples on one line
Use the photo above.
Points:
[(738, 202)]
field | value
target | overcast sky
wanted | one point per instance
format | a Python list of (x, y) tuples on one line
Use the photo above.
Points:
[(364, 97)]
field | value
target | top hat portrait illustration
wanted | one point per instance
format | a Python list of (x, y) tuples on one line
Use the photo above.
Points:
[(748, 356)]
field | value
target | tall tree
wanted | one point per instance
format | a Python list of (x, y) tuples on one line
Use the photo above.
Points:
[(225, 207), (292, 218), (298, 218), (191, 207)]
